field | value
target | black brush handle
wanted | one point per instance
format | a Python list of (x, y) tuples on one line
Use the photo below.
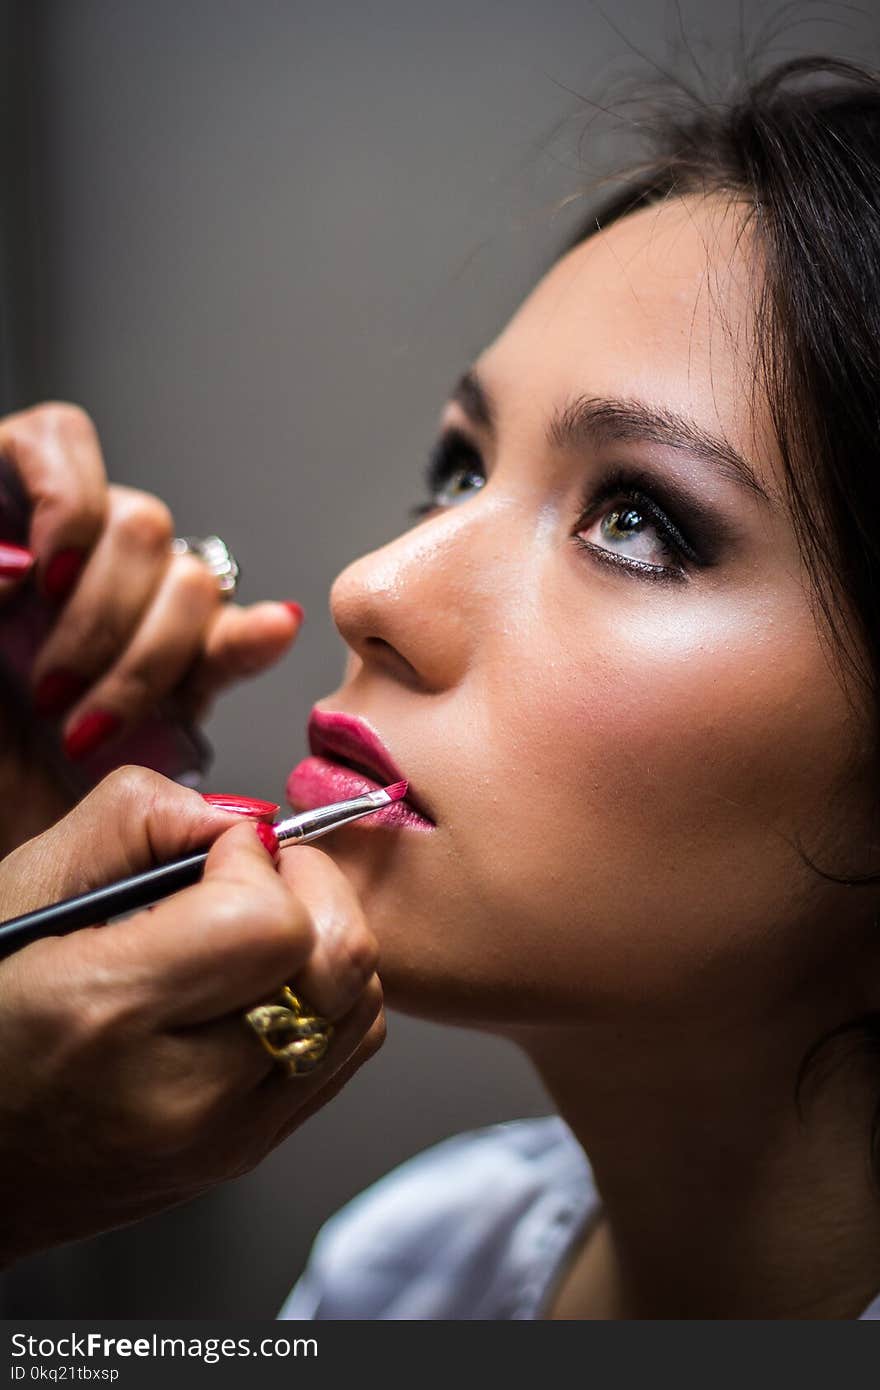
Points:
[(100, 904)]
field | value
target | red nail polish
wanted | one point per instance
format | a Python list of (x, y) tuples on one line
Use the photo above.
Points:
[(62, 572), (57, 691), (296, 609), (15, 561), (94, 728), (241, 805), (268, 838)]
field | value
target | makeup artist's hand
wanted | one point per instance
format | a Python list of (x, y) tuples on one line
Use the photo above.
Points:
[(128, 1079), (135, 622)]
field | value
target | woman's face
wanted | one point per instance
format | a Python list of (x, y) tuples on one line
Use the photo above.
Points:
[(600, 669)]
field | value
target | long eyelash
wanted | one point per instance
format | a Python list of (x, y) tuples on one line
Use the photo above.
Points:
[(452, 450)]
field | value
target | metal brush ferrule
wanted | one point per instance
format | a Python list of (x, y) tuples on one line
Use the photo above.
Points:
[(310, 825)]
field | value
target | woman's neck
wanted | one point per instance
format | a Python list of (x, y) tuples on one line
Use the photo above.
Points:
[(718, 1202)]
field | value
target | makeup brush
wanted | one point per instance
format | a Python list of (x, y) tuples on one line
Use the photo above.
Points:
[(129, 894)]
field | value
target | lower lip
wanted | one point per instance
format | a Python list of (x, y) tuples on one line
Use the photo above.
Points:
[(318, 781)]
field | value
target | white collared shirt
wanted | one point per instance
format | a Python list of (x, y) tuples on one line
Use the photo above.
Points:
[(477, 1227)]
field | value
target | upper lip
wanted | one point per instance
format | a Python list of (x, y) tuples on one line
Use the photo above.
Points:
[(332, 732)]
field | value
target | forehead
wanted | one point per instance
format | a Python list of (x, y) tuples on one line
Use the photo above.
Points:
[(660, 306)]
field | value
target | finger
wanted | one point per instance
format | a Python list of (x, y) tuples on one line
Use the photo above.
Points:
[(365, 1050), (162, 648), (288, 1102), (222, 1059), (345, 953), (207, 1084), (121, 575), (250, 1122), (240, 642), (132, 820), (222, 946), (55, 452), (16, 563)]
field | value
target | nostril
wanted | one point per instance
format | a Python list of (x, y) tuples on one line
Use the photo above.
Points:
[(388, 656)]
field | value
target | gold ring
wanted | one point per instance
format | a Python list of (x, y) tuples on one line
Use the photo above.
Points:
[(294, 1037)]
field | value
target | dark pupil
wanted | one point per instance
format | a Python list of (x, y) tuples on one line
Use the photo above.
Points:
[(630, 520)]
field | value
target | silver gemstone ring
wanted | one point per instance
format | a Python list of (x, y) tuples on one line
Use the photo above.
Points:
[(216, 555)]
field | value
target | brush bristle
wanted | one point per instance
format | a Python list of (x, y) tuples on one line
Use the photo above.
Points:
[(397, 791)]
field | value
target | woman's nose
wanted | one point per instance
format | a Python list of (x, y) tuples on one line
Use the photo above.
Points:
[(410, 607)]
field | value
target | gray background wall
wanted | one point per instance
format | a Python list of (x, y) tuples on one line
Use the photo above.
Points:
[(262, 239)]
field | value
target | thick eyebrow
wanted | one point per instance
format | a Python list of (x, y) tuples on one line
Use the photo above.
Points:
[(595, 420), (598, 420), (470, 393)]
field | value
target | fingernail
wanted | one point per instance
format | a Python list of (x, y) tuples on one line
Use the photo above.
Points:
[(296, 609), (15, 561), (241, 805), (88, 732), (266, 835), (57, 691), (62, 572)]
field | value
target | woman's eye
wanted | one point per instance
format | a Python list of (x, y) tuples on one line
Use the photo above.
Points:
[(460, 483), (628, 530), (454, 473)]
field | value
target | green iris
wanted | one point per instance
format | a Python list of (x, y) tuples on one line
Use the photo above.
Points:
[(620, 525), (463, 478)]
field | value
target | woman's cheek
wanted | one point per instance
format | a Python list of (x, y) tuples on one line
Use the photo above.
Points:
[(720, 712), (660, 783)]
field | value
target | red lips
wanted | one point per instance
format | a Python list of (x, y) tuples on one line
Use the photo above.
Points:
[(352, 739), (347, 757)]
